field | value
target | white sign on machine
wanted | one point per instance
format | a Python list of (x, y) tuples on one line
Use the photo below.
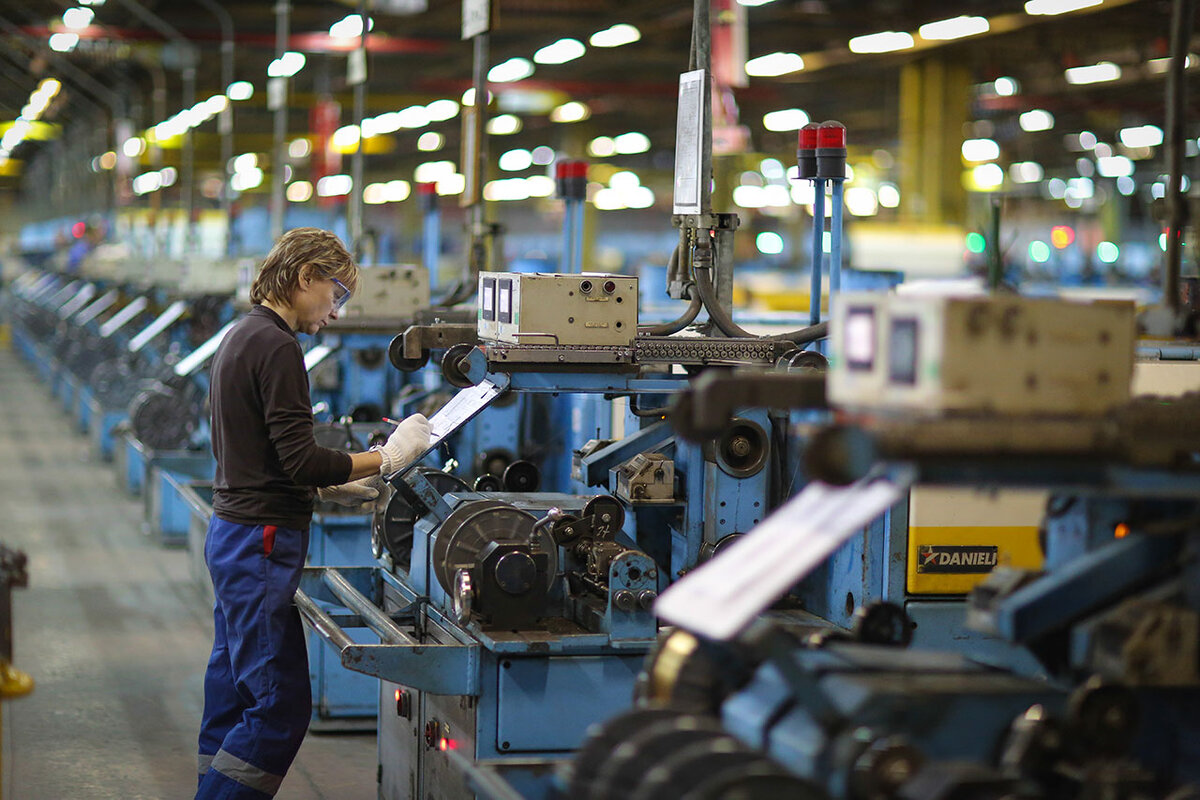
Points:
[(726, 594)]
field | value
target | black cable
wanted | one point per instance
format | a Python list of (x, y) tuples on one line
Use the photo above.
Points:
[(675, 326), (646, 412), (724, 321)]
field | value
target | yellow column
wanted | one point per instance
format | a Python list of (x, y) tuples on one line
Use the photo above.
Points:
[(934, 106)]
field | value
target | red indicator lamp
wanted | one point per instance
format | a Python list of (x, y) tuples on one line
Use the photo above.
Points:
[(1061, 236)]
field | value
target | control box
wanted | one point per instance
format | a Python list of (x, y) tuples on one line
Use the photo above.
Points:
[(558, 309), (1001, 354), (388, 290)]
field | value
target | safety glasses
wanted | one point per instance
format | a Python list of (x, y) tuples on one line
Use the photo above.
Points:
[(343, 296)]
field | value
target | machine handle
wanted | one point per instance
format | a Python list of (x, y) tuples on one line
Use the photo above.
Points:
[(445, 669), (388, 631)]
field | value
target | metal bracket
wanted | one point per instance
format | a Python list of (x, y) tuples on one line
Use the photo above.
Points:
[(422, 338)]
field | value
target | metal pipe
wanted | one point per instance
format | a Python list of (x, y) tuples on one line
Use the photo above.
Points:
[(322, 622), (375, 619), (354, 208), (701, 58), (1182, 14), (282, 25), (818, 251), (478, 259), (835, 239), (225, 121)]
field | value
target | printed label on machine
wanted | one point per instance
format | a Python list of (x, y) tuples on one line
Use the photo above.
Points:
[(723, 596), (957, 559)]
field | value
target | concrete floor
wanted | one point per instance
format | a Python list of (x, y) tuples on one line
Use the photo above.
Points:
[(112, 630)]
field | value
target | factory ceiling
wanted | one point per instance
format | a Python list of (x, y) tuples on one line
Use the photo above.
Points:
[(131, 61)]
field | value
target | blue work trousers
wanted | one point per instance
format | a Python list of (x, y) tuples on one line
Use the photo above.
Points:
[(257, 697)]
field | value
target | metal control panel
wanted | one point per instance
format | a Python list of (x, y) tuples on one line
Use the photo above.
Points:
[(397, 290), (997, 354), (557, 309)]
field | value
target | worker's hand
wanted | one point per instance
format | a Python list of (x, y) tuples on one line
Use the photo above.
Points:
[(350, 494), (406, 443)]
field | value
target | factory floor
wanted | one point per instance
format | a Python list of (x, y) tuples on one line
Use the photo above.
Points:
[(112, 631)]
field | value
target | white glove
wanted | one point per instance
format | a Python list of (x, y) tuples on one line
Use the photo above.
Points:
[(350, 494), (407, 442)]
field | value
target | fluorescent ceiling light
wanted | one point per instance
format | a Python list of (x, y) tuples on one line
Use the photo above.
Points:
[(434, 171), (442, 110), (1026, 172), (240, 90), (1093, 73), (883, 42), (350, 27), (980, 150), (1142, 136), (504, 125), (787, 119), (1160, 65), (63, 42), (515, 160), (954, 28), (1037, 120), (1051, 7), (515, 69), (631, 143), (560, 52), (286, 65), (77, 18), (987, 176), (570, 112), (1006, 87), (1114, 166), (615, 36), (299, 192), (334, 185), (774, 64), (430, 141)]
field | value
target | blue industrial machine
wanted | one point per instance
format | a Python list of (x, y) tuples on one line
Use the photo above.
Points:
[(510, 622), (1087, 683)]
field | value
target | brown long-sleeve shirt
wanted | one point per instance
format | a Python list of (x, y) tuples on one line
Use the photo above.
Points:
[(262, 427)]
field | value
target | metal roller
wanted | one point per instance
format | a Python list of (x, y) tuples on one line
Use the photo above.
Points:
[(392, 525), (162, 419), (474, 525), (602, 738)]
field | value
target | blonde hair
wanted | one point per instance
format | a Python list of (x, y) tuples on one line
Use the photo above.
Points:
[(319, 250)]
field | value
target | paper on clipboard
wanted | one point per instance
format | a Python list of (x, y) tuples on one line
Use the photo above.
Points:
[(461, 409), (725, 595)]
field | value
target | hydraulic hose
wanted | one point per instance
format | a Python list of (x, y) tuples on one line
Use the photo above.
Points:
[(724, 321)]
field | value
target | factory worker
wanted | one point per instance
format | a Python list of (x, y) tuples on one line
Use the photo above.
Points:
[(257, 700)]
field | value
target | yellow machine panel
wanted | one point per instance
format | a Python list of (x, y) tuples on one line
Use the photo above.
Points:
[(957, 536)]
